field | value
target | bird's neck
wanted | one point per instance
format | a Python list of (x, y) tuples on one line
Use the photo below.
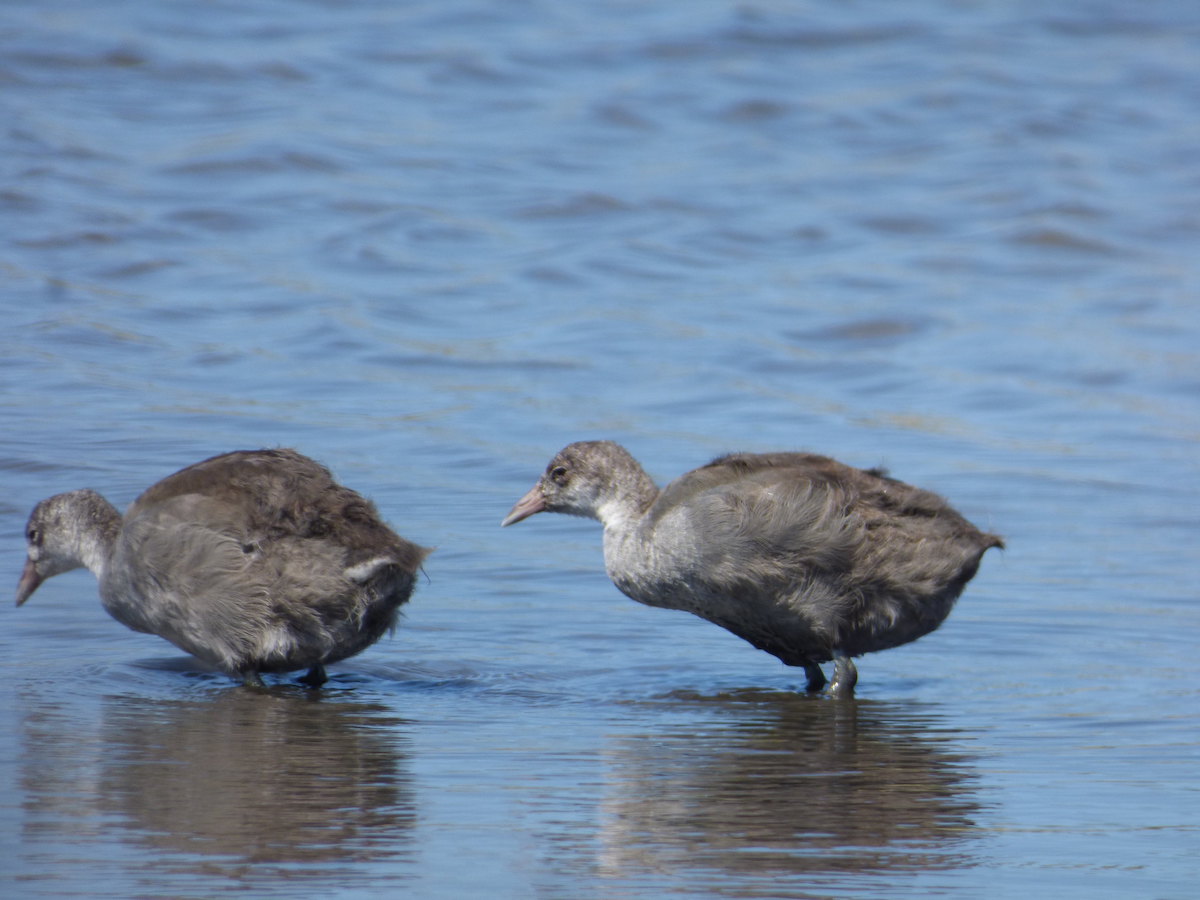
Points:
[(624, 507), (95, 544)]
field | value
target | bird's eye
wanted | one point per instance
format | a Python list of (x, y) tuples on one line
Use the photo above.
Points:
[(34, 537), (559, 474)]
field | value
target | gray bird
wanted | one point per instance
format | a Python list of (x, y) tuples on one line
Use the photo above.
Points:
[(254, 561), (802, 556)]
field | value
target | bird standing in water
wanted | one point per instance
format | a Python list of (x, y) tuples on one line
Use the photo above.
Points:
[(254, 561), (802, 556)]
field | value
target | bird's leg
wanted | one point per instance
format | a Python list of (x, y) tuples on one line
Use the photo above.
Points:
[(816, 678), (845, 675), (251, 679), (315, 676)]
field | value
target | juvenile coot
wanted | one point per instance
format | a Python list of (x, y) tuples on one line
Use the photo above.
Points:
[(255, 561), (802, 556)]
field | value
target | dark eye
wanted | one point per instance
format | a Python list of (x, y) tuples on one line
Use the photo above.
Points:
[(559, 474), (35, 537)]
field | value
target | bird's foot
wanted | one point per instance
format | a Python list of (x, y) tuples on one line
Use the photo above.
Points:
[(315, 677), (816, 678), (845, 676), (252, 679)]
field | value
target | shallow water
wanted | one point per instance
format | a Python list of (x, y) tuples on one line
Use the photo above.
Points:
[(428, 244)]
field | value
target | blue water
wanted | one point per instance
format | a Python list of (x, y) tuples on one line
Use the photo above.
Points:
[(430, 243)]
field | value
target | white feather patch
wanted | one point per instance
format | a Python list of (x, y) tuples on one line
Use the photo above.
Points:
[(364, 570), (274, 643)]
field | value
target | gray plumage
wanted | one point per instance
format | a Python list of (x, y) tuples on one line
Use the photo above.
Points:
[(254, 561), (802, 556)]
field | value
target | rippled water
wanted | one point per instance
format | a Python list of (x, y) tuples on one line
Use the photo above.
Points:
[(428, 244)]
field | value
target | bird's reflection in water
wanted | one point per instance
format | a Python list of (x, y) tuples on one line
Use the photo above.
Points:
[(257, 779), (777, 785)]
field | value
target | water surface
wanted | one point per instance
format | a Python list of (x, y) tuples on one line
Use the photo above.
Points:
[(428, 244)]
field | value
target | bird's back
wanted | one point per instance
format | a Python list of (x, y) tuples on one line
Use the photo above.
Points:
[(272, 494)]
